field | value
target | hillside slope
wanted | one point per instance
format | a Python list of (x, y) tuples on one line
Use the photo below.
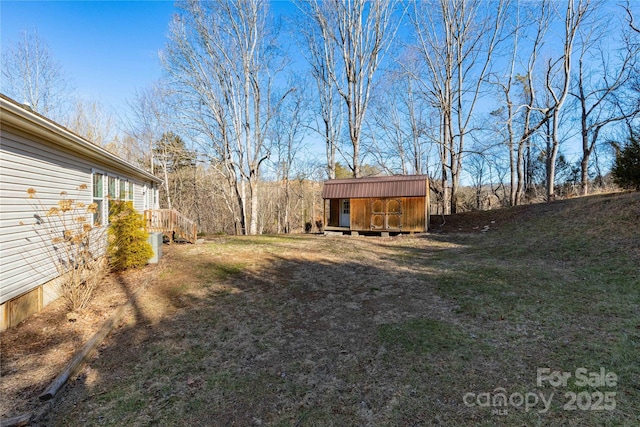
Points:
[(602, 213)]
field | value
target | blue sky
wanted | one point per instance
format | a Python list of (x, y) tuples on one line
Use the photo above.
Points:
[(107, 48)]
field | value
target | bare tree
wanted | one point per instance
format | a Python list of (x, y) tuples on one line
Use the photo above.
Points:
[(220, 58), (32, 75), (317, 48), (631, 20), (399, 125), (152, 109), (132, 150), (90, 119), (355, 34), (289, 127), (532, 116), (178, 166), (534, 94), (600, 88), (558, 82), (456, 40), (507, 82)]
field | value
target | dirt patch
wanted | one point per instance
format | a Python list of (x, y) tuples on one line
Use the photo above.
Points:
[(33, 353)]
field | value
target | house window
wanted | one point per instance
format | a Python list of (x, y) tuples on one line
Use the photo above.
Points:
[(112, 191), (130, 191), (113, 182), (98, 197), (123, 190)]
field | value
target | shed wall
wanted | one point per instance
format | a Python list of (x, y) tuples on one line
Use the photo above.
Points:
[(413, 218), (360, 214)]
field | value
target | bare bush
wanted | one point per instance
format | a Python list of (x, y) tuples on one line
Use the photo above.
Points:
[(73, 244)]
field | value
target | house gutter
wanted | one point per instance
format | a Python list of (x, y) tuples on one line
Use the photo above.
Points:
[(19, 117)]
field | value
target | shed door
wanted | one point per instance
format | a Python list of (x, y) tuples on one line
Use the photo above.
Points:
[(345, 213), (394, 214), (386, 214)]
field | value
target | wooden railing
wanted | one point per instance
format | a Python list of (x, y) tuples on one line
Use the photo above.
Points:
[(171, 223)]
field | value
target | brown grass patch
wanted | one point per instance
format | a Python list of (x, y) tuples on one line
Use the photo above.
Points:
[(321, 331)]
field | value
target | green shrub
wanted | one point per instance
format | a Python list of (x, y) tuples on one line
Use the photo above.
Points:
[(626, 171), (128, 240)]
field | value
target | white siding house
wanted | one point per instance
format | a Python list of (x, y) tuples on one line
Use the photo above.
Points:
[(38, 153)]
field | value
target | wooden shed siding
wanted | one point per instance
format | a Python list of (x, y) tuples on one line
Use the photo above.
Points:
[(413, 214), (413, 217), (35, 163), (360, 214)]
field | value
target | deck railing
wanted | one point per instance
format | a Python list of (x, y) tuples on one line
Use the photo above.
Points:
[(172, 223)]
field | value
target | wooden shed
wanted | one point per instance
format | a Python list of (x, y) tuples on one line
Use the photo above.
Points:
[(388, 204)]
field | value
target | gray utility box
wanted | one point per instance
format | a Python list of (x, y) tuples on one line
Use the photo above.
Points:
[(155, 240)]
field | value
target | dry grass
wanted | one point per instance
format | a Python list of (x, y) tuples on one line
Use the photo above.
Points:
[(321, 331), (34, 353)]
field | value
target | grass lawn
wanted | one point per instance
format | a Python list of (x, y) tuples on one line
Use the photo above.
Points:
[(533, 323)]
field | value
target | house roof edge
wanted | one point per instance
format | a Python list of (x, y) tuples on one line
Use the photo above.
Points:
[(18, 116)]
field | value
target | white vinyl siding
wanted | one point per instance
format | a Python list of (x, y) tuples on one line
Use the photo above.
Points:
[(147, 197), (136, 196), (24, 164), (27, 162)]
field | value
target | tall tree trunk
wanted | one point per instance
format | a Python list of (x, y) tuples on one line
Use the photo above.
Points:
[(330, 150), (584, 175), (355, 36), (242, 203), (521, 173), (513, 175), (552, 153), (253, 225)]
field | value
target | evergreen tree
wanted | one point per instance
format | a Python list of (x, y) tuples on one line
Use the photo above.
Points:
[(128, 240), (171, 153), (626, 171)]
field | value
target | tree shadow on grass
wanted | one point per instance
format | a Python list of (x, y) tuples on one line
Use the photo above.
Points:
[(356, 339), (132, 292), (242, 340)]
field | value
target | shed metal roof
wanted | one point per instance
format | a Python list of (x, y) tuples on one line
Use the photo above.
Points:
[(383, 186)]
